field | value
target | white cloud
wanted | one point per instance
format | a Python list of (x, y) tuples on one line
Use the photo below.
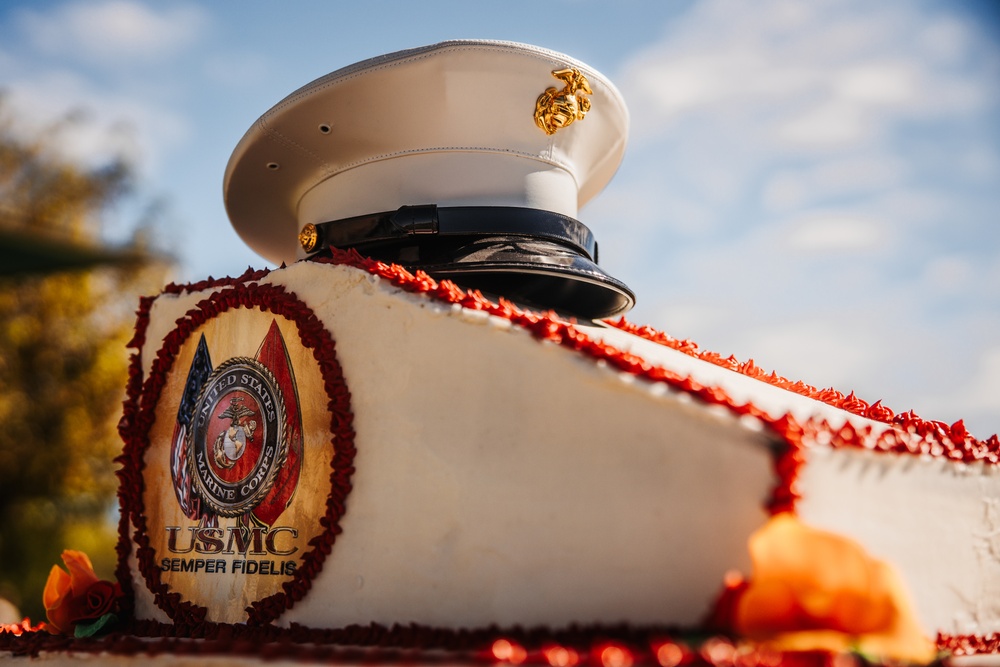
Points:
[(919, 204), (838, 177), (948, 275), (946, 39), (975, 400), (983, 390), (237, 69), (114, 113), (824, 72), (113, 31), (829, 353), (830, 232), (826, 125), (980, 163), (839, 174), (877, 83), (91, 125)]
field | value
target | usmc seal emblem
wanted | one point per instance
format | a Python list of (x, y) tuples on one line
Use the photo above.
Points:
[(238, 440), (237, 444)]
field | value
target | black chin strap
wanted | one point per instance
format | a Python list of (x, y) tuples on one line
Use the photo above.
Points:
[(411, 221)]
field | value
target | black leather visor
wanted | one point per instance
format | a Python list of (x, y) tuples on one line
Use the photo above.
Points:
[(538, 258)]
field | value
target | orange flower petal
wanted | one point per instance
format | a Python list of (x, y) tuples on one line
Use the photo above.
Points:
[(56, 587), (59, 620), (81, 571), (810, 640), (806, 558), (766, 607), (812, 589), (857, 613), (902, 638)]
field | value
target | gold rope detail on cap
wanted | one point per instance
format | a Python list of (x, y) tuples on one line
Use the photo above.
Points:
[(309, 237), (555, 109)]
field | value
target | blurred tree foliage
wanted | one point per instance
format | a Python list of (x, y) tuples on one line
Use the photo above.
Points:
[(63, 368)]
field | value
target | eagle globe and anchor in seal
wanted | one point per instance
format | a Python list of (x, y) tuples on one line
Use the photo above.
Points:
[(239, 439)]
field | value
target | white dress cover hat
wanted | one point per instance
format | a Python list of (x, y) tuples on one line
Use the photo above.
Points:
[(466, 159)]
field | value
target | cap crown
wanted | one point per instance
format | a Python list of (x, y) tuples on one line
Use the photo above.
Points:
[(451, 124)]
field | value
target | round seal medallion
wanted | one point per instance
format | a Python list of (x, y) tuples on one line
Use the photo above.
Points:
[(238, 439)]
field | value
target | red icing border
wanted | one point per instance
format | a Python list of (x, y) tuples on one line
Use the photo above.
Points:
[(139, 413), (617, 646), (969, 644), (907, 421), (396, 644)]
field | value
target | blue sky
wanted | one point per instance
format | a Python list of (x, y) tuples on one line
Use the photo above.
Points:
[(815, 185)]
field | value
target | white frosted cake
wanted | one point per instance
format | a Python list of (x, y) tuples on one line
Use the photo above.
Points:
[(492, 466), (344, 451)]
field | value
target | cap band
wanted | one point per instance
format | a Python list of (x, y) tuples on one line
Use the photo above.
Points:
[(429, 219)]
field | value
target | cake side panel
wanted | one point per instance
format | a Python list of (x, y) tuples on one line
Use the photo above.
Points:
[(500, 479), (937, 521)]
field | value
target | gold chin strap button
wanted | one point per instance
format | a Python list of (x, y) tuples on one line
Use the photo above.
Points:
[(309, 237), (555, 109)]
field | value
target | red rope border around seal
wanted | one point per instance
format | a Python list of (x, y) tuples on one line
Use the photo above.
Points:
[(139, 415)]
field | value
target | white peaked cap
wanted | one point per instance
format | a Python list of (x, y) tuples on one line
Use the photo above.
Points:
[(451, 124)]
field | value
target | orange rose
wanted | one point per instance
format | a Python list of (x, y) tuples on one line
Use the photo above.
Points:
[(811, 589), (78, 596)]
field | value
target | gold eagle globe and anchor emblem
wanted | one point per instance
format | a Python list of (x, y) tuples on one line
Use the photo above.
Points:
[(232, 441), (555, 109)]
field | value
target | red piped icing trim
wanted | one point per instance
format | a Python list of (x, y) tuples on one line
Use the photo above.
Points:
[(139, 414), (18, 629), (787, 464), (591, 646), (397, 644), (126, 425), (969, 644), (920, 438), (250, 275), (912, 435), (907, 421)]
